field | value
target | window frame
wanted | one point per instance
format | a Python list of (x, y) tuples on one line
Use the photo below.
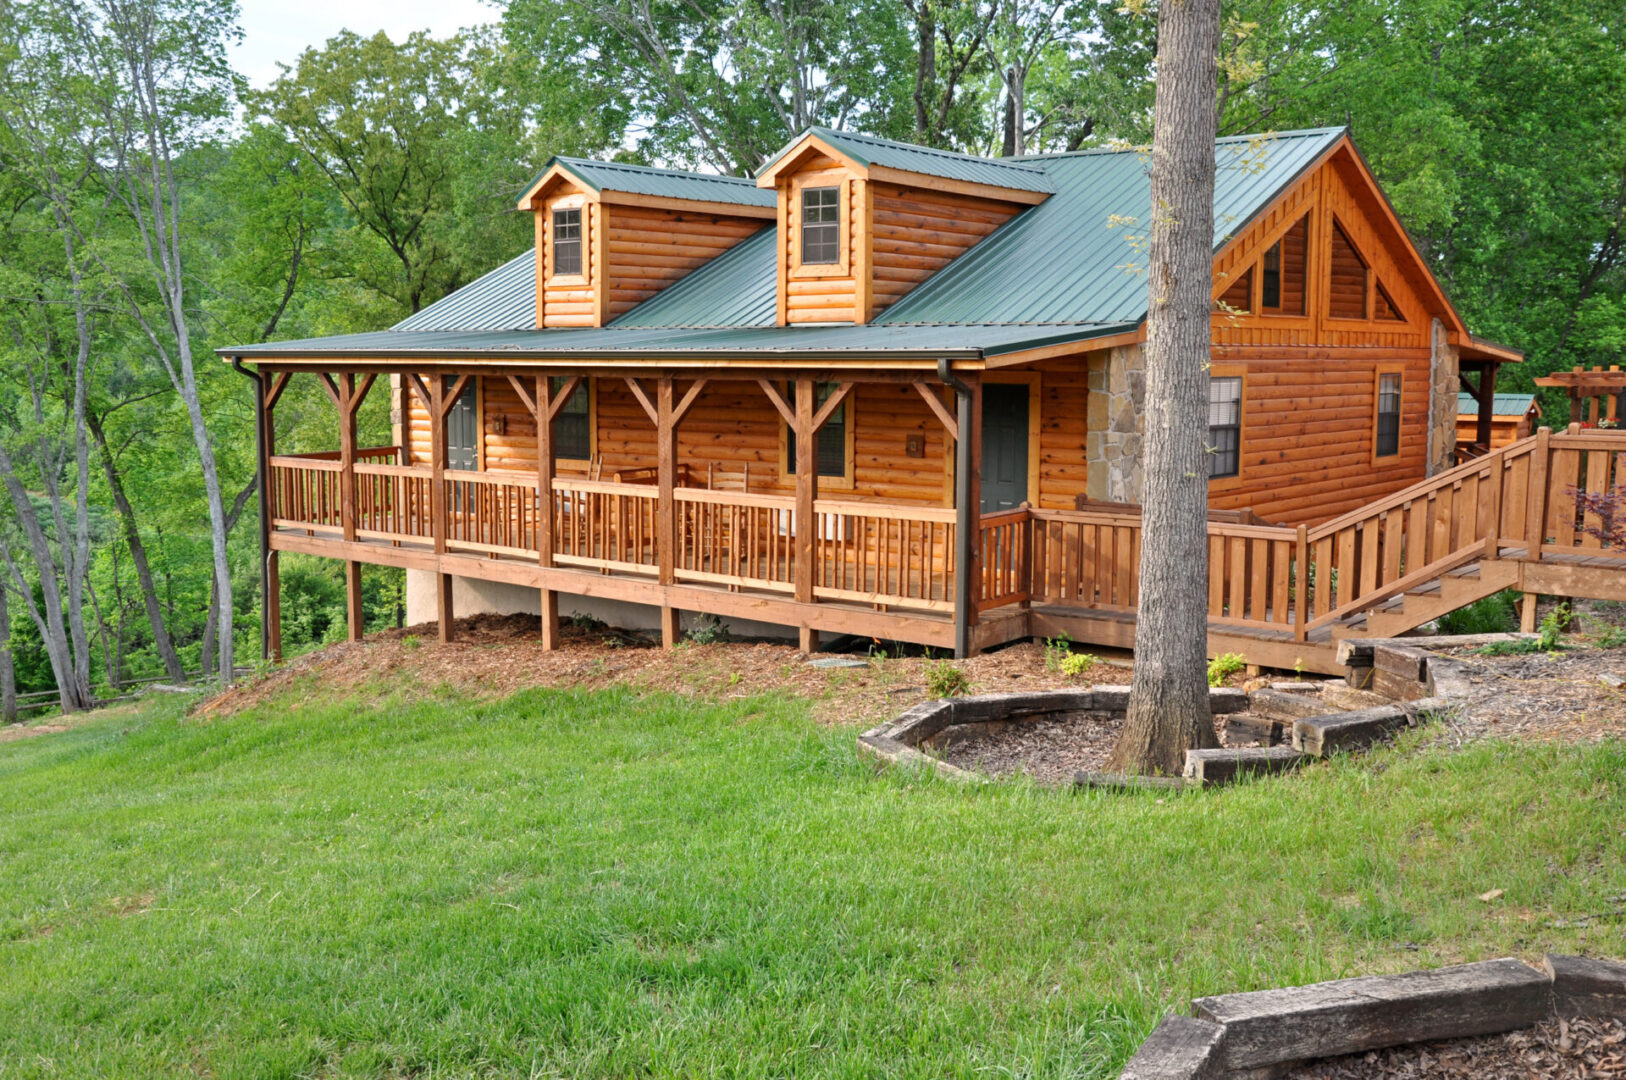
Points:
[(822, 178), (1379, 373), (567, 203), (787, 438), (587, 389), (1240, 374)]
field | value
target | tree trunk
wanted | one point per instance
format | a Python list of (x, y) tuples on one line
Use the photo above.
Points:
[(8, 671), (138, 554), (1168, 699)]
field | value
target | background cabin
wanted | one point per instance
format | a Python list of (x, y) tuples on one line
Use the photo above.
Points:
[(1513, 417)]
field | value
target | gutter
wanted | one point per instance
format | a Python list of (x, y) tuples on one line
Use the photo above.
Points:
[(964, 533), (263, 481)]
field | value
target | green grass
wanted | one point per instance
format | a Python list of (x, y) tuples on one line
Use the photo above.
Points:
[(595, 884), (1494, 614)]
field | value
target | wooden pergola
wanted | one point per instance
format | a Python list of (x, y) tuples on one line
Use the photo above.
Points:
[(1596, 392)]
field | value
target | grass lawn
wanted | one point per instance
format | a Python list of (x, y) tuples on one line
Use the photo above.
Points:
[(598, 884)]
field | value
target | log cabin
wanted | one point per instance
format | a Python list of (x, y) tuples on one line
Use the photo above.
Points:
[(895, 392), (1513, 417)]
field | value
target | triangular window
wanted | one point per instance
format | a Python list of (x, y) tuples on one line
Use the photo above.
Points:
[(1349, 277), (1238, 296), (1383, 306), (1282, 271)]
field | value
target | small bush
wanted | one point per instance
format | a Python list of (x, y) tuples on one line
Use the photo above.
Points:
[(590, 623), (1496, 614), (1612, 638), (709, 630), (945, 680), (1057, 650), (410, 642), (1077, 665), (1225, 665), (1546, 640)]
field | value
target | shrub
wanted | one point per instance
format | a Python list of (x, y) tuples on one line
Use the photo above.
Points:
[(1546, 640), (945, 680), (1077, 665), (590, 623), (1495, 614), (1613, 637), (708, 630), (1225, 665), (410, 642), (1057, 650)]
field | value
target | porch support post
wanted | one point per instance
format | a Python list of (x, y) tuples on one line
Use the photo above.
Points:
[(271, 576), (1487, 399), (665, 517), (807, 493), (437, 500), (344, 392), (549, 600), (967, 511)]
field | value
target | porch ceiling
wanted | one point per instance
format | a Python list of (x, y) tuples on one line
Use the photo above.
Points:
[(879, 346)]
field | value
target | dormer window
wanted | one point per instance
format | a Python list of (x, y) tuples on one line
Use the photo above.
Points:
[(567, 242), (821, 225)]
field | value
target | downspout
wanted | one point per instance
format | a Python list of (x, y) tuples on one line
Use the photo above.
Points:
[(263, 482), (964, 514)]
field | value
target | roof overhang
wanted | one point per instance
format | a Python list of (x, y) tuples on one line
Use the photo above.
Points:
[(874, 347), (809, 144), (1478, 349)]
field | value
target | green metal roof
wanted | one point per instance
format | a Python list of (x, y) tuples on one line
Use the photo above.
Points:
[(879, 343), (1067, 269), (669, 183), (1080, 255), (1501, 404), (504, 299), (737, 288), (1020, 175)]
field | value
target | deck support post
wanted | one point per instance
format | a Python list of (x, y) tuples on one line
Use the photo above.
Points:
[(967, 510), (345, 398), (666, 485), (1487, 399), (1527, 614), (271, 616), (437, 501), (807, 493), (548, 600)]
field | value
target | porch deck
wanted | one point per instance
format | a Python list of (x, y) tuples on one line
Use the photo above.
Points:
[(1283, 597)]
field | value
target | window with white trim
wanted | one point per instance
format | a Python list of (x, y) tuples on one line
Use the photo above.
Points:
[(821, 225), (567, 242), (1224, 426)]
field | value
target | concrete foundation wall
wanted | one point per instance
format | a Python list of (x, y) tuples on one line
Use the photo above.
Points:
[(471, 596)]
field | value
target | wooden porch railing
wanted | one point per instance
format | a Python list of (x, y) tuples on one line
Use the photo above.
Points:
[(1271, 579)]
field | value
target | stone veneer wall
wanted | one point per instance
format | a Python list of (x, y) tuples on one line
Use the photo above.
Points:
[(1442, 401), (1117, 379)]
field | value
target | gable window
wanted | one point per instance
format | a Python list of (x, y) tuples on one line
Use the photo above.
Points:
[(1238, 296), (1347, 299), (821, 225), (1388, 431), (1282, 271), (573, 426), (567, 242), (830, 444), (1224, 426)]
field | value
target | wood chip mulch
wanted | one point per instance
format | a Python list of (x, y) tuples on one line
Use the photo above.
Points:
[(1557, 696), (1588, 1048), (494, 656)]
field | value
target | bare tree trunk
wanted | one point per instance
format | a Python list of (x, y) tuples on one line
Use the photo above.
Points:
[(50, 622), (8, 670), (138, 553), (1168, 699)]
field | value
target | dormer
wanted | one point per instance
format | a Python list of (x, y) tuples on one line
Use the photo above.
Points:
[(863, 221), (610, 236)]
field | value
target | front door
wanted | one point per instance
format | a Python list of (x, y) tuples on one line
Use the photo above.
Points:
[(1004, 446), (463, 431)]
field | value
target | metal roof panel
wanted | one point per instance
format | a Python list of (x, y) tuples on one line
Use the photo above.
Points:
[(1020, 175), (504, 299)]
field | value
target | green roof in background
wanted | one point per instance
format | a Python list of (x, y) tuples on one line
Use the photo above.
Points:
[(1024, 175), (670, 183), (1501, 404)]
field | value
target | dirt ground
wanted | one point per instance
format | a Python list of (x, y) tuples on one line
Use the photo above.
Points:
[(492, 656), (1588, 1048)]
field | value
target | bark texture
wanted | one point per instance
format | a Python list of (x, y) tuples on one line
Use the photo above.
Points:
[(1168, 701), (8, 671)]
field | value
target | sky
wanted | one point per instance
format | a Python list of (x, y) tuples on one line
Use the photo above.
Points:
[(279, 30)]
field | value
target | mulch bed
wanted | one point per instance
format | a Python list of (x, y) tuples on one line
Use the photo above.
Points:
[(1556, 696), (497, 655), (1588, 1048), (1050, 751)]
